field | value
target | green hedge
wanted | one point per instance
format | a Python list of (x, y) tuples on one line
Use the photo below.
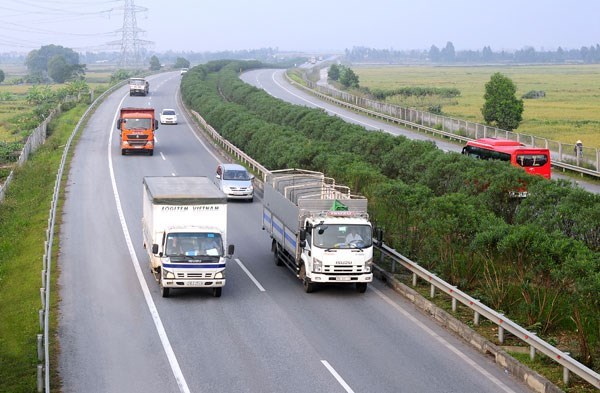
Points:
[(536, 259)]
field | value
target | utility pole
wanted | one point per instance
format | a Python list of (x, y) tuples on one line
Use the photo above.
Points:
[(131, 44)]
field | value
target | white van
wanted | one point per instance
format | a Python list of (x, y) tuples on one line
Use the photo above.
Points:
[(235, 181)]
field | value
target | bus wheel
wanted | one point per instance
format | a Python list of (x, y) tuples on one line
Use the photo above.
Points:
[(164, 291), (217, 291)]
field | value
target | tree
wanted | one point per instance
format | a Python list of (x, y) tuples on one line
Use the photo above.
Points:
[(180, 62), (58, 69), (434, 53), (37, 60), (334, 72), (502, 108), (448, 54), (154, 63), (348, 78), (1, 76)]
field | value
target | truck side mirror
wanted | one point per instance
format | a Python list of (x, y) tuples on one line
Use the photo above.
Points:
[(155, 248), (156, 124), (230, 249), (119, 123)]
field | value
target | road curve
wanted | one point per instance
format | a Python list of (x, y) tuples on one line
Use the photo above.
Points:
[(116, 334), (274, 82)]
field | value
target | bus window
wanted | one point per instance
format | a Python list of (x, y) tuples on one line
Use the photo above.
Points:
[(528, 160)]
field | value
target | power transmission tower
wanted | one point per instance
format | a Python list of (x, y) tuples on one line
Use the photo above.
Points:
[(131, 44)]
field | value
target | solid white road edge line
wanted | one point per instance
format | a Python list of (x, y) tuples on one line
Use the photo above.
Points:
[(442, 341), (254, 280), (337, 376), (164, 339), (322, 107)]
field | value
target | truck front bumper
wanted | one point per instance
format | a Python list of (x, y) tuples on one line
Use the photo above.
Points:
[(178, 283), (341, 279)]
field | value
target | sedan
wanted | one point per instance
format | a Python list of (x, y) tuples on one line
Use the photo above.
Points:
[(168, 116)]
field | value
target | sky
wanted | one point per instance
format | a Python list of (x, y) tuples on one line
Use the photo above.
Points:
[(310, 26)]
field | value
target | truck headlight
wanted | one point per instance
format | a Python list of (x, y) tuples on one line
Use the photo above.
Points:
[(367, 266), (168, 274), (219, 275), (317, 265)]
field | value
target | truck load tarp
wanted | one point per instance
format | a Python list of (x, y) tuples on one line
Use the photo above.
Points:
[(165, 190)]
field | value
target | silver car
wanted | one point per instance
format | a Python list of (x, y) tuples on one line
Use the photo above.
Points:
[(235, 181)]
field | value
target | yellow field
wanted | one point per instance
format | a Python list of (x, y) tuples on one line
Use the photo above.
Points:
[(570, 110)]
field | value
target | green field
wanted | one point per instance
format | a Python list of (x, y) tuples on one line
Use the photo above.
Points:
[(570, 110)]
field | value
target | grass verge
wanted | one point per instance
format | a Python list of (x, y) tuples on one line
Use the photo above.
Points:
[(23, 224)]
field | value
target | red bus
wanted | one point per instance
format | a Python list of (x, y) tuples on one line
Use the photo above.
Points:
[(535, 161)]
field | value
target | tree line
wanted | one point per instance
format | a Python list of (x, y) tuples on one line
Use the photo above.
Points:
[(537, 260), (448, 54)]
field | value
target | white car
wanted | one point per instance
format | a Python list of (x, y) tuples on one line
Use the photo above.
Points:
[(168, 116), (183, 71), (235, 181)]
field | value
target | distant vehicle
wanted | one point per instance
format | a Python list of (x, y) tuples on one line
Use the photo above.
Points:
[(235, 181), (184, 70), (535, 161), (138, 87), (168, 116)]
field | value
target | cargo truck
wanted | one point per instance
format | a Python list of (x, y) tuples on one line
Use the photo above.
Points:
[(185, 232), (138, 87), (319, 230), (137, 127)]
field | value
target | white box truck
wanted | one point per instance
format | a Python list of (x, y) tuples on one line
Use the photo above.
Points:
[(185, 232), (319, 229)]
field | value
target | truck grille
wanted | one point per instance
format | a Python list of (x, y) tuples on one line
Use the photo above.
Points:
[(136, 137), (195, 275), (341, 269)]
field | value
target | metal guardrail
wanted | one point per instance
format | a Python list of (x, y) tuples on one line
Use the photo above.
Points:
[(43, 344), (503, 323), (536, 344), (487, 131)]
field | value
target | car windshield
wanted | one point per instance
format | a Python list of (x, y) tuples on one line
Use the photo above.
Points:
[(236, 175), (168, 112), (194, 244), (342, 236), (136, 124)]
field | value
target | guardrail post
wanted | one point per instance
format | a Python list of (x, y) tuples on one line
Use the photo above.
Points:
[(453, 304), (44, 277), (40, 347), (43, 295), (41, 314), (432, 291), (531, 352), (414, 280), (476, 318), (500, 334), (566, 373), (40, 378)]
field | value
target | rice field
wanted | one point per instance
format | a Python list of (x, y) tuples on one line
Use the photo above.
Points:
[(569, 111)]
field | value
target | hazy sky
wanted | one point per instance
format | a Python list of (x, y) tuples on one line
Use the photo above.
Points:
[(305, 25)]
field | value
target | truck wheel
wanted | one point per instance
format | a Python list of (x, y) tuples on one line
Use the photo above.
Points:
[(217, 291), (164, 292), (276, 258), (361, 287), (123, 152), (150, 152), (308, 286)]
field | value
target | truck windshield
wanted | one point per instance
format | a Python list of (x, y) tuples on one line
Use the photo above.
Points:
[(342, 236), (194, 244), (136, 124)]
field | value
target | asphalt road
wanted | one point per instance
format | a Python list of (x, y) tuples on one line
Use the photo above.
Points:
[(274, 83), (264, 334)]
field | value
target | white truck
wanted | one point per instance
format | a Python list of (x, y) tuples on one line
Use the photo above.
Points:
[(185, 232), (318, 229), (138, 87)]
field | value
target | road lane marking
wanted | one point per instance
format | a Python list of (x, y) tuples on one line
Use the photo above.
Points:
[(337, 376), (254, 280), (442, 341), (163, 156), (164, 339), (322, 107)]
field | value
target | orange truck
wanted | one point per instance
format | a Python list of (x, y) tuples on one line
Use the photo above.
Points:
[(137, 127)]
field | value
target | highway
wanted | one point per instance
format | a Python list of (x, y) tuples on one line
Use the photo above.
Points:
[(274, 82), (265, 334)]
